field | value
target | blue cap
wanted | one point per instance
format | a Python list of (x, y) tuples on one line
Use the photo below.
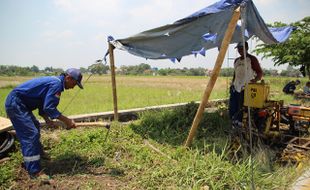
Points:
[(76, 75)]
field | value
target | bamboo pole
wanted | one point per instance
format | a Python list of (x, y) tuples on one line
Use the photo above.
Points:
[(218, 64), (112, 67)]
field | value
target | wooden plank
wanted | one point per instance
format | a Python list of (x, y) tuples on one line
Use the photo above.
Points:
[(5, 124), (307, 144)]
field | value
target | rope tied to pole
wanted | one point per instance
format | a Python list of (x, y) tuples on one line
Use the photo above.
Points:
[(75, 95)]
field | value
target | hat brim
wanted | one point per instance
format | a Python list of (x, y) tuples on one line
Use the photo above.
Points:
[(79, 85)]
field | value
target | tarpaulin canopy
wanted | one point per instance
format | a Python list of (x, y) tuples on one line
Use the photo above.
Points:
[(200, 31)]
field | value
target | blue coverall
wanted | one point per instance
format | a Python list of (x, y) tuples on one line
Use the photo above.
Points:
[(41, 93)]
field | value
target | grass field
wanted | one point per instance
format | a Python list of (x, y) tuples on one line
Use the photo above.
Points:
[(139, 91)]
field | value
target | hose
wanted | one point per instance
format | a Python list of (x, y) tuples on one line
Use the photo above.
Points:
[(6, 143)]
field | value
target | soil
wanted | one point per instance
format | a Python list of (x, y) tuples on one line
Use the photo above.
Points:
[(97, 178)]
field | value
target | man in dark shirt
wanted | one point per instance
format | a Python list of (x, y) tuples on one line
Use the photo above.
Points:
[(290, 87)]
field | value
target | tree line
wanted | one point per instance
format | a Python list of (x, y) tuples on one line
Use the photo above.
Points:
[(141, 69), (12, 70)]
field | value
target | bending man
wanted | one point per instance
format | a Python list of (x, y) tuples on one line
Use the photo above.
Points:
[(41, 93)]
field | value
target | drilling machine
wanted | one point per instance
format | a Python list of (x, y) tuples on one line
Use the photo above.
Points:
[(270, 118), (274, 123)]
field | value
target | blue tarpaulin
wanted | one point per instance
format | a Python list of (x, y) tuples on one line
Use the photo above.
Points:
[(200, 31)]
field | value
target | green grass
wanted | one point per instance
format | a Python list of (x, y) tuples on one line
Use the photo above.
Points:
[(132, 92), (138, 91), (126, 157)]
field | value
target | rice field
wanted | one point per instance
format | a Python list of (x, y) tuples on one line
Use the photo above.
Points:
[(139, 91)]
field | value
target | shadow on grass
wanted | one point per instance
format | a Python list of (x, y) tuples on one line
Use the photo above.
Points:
[(69, 163), (72, 163), (172, 126)]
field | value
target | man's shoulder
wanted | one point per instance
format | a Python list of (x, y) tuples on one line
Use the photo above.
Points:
[(237, 59), (54, 82), (252, 56)]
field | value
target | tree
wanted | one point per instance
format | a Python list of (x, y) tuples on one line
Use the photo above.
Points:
[(48, 69), (83, 70), (35, 69), (227, 72), (295, 51), (98, 68)]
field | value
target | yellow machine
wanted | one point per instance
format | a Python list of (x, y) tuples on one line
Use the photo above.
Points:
[(256, 95), (271, 118), (273, 123)]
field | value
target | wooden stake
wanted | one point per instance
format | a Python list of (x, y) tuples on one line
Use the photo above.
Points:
[(146, 142), (112, 67), (217, 67)]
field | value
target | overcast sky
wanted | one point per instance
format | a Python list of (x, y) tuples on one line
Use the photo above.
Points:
[(72, 33)]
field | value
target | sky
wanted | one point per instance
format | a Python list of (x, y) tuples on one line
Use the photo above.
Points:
[(73, 33)]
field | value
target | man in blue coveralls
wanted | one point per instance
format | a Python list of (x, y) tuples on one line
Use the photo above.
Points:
[(41, 93)]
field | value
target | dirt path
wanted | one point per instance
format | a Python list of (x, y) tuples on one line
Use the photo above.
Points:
[(98, 179)]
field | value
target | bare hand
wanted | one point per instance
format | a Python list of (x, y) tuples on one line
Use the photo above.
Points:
[(70, 124), (51, 123)]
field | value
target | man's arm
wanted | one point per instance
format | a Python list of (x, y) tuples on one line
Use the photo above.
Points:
[(233, 79), (256, 67), (69, 122), (50, 106), (48, 121)]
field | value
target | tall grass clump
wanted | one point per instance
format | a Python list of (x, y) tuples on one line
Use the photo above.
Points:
[(208, 162), (172, 126)]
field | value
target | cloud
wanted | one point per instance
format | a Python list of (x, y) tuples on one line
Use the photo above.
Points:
[(87, 8), (266, 2), (122, 18), (60, 35), (147, 11)]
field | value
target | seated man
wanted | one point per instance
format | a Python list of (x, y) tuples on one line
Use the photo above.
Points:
[(290, 87)]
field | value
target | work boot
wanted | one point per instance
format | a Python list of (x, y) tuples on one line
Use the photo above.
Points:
[(44, 155), (42, 177)]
